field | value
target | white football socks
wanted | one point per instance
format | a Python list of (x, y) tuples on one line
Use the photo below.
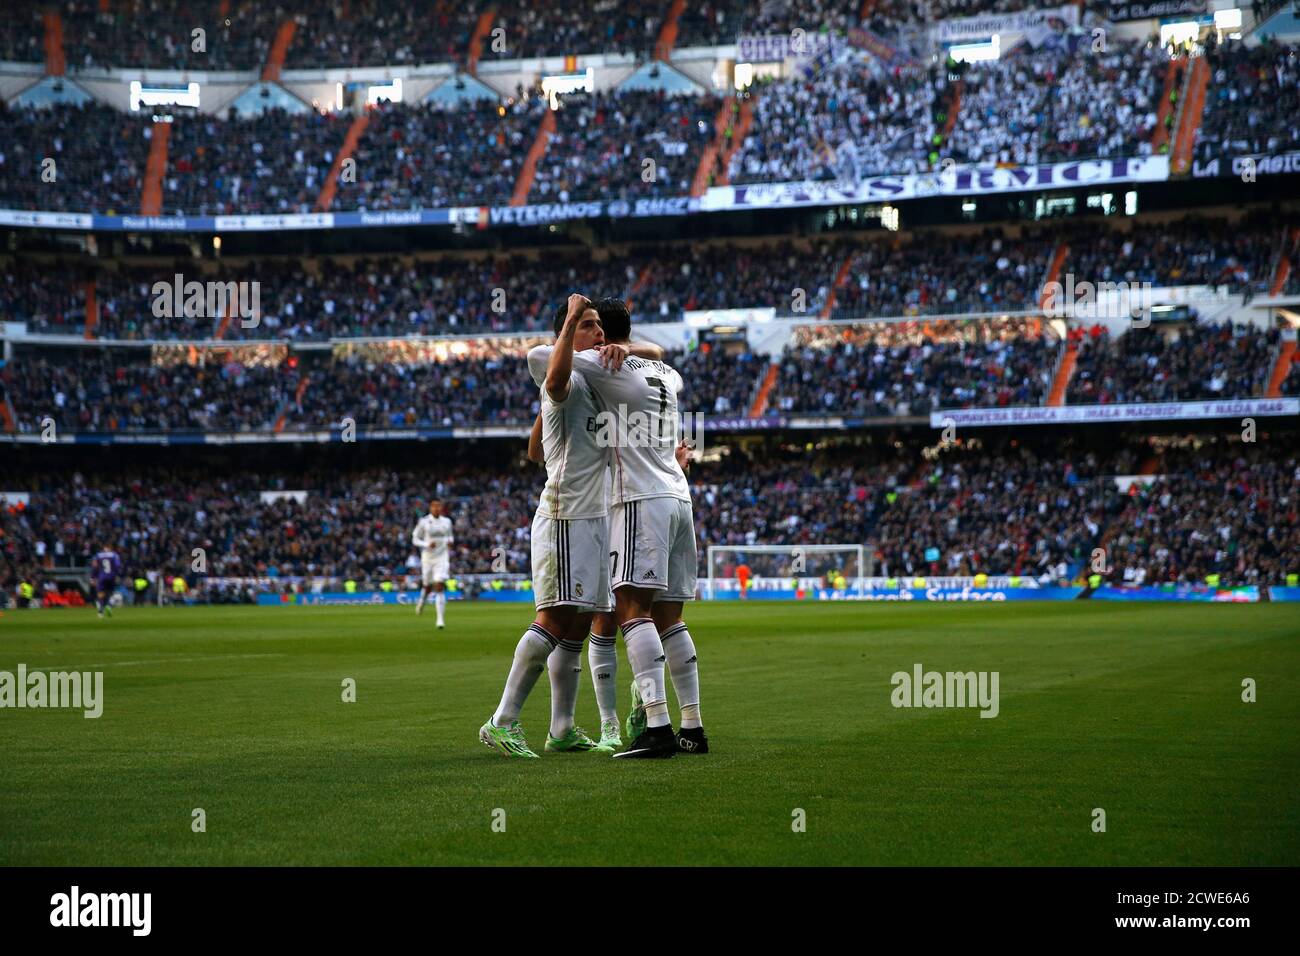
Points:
[(602, 658), (646, 654), (440, 605), (565, 666), (682, 667), (530, 661)]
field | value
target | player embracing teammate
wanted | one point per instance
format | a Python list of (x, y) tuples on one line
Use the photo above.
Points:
[(570, 532), (651, 543), (614, 409)]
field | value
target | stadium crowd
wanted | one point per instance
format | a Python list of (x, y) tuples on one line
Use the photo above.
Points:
[(1193, 363), (1214, 509), (1194, 250), (105, 392), (401, 385), (431, 155), (603, 141), (922, 273), (913, 368), (1252, 105), (65, 158), (273, 162)]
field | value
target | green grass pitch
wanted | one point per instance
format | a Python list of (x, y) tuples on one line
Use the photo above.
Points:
[(1135, 709)]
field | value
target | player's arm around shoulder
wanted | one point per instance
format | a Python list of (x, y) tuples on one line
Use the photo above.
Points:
[(647, 350)]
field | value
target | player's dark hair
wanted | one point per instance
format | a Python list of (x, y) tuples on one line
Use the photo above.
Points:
[(615, 319), (561, 314)]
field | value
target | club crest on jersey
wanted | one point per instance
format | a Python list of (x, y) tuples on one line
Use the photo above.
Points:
[(577, 589)]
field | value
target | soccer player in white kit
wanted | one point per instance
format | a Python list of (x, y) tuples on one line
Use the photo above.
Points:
[(570, 565), (651, 531), (433, 536)]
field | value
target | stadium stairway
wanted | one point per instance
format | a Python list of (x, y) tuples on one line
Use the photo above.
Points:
[(92, 312), (279, 50), (668, 32), (535, 152), (1173, 73), (283, 416), (330, 187), (744, 120), (1281, 368), (224, 324), (1064, 372), (56, 63), (704, 172), (1190, 114), (764, 393), (154, 170), (841, 276), (481, 29), (1290, 239)]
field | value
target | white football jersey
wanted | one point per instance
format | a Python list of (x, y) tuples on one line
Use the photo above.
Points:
[(637, 422), (575, 464), (432, 535)]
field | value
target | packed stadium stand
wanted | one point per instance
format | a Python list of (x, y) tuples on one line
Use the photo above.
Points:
[(854, 282)]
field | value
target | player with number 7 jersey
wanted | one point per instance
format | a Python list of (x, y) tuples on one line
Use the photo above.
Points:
[(652, 529)]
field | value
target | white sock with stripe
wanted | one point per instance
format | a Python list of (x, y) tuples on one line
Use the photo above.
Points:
[(530, 661), (646, 653), (565, 666), (602, 657), (682, 667)]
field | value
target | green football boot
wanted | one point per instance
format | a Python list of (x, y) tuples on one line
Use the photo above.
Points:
[(508, 740), (635, 723), (609, 736), (575, 741)]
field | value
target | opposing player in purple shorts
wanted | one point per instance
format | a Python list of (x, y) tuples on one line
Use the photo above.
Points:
[(105, 569)]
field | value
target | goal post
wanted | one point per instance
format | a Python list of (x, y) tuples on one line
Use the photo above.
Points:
[(774, 567)]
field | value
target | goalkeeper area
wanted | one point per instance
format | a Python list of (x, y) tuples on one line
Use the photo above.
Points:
[(786, 571), (1135, 711)]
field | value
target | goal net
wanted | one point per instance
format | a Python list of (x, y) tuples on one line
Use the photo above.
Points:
[(783, 571)]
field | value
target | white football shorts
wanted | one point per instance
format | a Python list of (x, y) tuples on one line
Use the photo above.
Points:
[(434, 569), (571, 562), (652, 545)]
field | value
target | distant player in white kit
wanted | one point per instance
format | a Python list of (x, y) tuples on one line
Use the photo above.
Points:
[(433, 536)]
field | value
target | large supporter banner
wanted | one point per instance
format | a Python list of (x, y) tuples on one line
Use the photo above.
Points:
[(1242, 595), (1248, 165), (1147, 412), (1123, 10), (961, 181), (967, 29), (879, 47)]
